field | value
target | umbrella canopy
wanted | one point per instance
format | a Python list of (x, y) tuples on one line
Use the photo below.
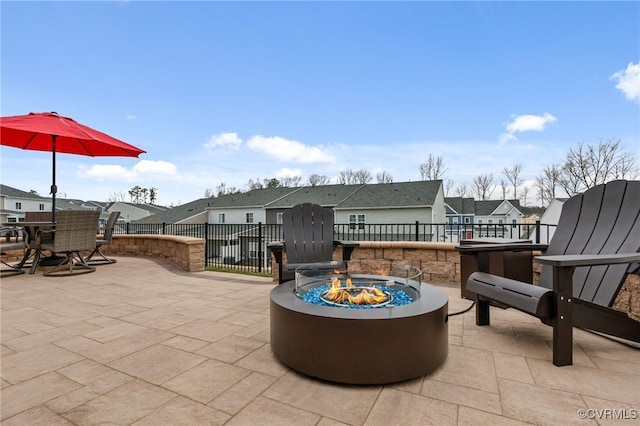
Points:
[(49, 131)]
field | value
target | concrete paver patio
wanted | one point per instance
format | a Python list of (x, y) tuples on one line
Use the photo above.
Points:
[(142, 343)]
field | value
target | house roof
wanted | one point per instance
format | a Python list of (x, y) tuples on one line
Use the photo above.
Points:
[(325, 195), (487, 207), (391, 195), (461, 205), (179, 213), (255, 198), (12, 192)]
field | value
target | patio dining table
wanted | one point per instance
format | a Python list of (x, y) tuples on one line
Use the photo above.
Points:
[(33, 243)]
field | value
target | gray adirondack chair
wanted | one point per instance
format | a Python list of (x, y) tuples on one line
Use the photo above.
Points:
[(585, 265), (308, 239)]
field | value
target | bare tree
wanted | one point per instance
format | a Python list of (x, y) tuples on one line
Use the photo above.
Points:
[(116, 196), (363, 176), (525, 193), (349, 176), (513, 175), (463, 190), (222, 189), (503, 187), (384, 177), (448, 186), (153, 195), (483, 186), (144, 192), (433, 168), (345, 177), (587, 166), (547, 183), (254, 184), (208, 193), (290, 181), (318, 180), (135, 193)]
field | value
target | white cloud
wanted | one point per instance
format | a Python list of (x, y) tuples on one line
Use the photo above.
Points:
[(108, 172), (131, 117), (229, 140), (116, 172), (628, 81), (525, 123), (286, 172), (288, 150), (155, 167)]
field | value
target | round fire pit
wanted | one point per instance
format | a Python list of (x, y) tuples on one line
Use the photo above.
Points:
[(373, 345)]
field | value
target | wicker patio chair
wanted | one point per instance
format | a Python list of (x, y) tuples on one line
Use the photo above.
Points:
[(75, 232), (105, 240), (13, 238)]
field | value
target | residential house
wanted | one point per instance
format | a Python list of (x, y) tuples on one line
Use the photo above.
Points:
[(460, 217), (15, 202), (468, 218), (373, 208), (130, 212), (503, 213), (550, 218)]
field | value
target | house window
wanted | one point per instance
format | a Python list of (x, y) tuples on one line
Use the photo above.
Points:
[(513, 223), (490, 221), (480, 221), (467, 220), (18, 206), (500, 221), (249, 218), (220, 217), (41, 207), (279, 218), (356, 221), (455, 220), (11, 219)]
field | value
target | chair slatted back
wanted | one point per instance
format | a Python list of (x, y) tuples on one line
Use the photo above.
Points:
[(603, 220), (308, 233), (110, 226), (75, 230)]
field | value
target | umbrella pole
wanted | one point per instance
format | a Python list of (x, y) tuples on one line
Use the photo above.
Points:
[(54, 188)]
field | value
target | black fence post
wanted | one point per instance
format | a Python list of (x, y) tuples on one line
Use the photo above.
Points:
[(127, 228), (259, 246), (164, 228), (417, 231), (206, 244), (538, 232)]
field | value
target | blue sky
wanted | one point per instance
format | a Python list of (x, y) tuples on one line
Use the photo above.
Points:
[(232, 91)]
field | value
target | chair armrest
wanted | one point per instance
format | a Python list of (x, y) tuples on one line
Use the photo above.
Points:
[(276, 245), (345, 243), (588, 259), (477, 248)]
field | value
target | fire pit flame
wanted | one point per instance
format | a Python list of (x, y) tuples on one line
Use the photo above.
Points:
[(355, 295)]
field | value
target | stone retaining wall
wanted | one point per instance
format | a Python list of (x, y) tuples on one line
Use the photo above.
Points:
[(185, 252)]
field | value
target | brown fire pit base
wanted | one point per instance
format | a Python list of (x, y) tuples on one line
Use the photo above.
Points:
[(360, 346)]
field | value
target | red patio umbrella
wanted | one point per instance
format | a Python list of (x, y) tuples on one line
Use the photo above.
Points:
[(49, 131)]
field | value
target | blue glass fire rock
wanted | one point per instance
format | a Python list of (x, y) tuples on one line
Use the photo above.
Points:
[(400, 297)]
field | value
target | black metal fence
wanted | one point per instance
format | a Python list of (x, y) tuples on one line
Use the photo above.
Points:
[(244, 246)]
